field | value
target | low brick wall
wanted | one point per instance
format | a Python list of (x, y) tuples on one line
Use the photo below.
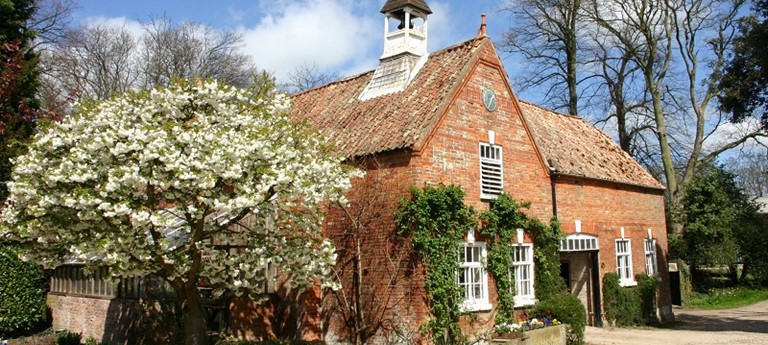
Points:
[(92, 317), (555, 335), (113, 320)]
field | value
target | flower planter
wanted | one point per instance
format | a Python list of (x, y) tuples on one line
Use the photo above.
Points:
[(554, 335), (512, 335)]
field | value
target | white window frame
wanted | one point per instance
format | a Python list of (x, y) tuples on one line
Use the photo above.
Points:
[(479, 301), (520, 265), (624, 262), (491, 170), (651, 263)]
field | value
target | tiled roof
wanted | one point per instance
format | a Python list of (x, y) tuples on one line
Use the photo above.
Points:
[(394, 121), (577, 148), (404, 120)]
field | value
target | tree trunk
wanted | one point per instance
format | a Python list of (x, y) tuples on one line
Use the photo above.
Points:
[(193, 316)]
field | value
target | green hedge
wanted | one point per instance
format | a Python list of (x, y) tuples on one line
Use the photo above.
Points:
[(22, 295), (567, 309), (630, 306)]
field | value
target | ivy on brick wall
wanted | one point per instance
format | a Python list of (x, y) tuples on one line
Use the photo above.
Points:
[(436, 219), (499, 227)]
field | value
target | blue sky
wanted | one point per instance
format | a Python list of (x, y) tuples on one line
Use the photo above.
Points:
[(341, 36)]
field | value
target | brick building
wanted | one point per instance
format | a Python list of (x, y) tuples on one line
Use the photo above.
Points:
[(450, 117)]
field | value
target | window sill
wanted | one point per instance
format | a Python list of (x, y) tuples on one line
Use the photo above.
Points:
[(524, 302), (488, 197), (627, 283), (475, 306)]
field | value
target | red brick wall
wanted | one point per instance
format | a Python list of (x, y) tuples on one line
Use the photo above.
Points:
[(604, 208), (114, 321), (391, 293), (451, 156)]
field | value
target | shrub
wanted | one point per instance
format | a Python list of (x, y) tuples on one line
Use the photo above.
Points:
[(68, 338), (630, 306), (22, 296), (567, 309), (646, 288), (621, 305)]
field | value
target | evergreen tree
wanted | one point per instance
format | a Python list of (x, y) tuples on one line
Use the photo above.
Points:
[(744, 85), (18, 83)]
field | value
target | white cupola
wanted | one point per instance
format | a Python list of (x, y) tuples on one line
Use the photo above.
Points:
[(405, 47)]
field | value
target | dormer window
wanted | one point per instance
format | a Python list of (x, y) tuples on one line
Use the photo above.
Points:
[(491, 171)]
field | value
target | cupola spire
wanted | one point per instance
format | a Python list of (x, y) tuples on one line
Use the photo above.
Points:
[(405, 47)]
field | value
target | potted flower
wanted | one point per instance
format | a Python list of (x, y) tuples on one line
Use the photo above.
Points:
[(508, 330)]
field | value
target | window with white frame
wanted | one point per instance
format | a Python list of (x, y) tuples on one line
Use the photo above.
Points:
[(522, 267), (472, 277), (491, 171), (651, 267), (624, 262)]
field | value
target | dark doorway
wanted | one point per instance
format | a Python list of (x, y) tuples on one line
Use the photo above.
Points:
[(674, 287), (565, 272)]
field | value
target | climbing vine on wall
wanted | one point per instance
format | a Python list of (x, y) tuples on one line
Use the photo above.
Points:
[(546, 257), (436, 219), (500, 224)]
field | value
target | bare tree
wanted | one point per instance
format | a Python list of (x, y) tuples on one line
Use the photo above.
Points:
[(306, 77), (372, 262), (546, 33), (96, 61), (51, 20), (193, 50), (662, 38), (93, 62), (751, 170)]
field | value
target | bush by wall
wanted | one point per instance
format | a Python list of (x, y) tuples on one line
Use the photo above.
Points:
[(630, 306), (22, 295), (567, 309), (68, 338), (646, 289)]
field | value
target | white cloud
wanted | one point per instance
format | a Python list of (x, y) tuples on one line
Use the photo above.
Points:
[(130, 25), (327, 33)]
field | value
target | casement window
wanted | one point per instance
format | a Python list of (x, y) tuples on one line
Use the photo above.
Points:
[(472, 277), (522, 268), (491, 171), (624, 262), (651, 266)]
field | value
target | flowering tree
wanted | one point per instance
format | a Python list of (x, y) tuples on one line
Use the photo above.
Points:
[(168, 181)]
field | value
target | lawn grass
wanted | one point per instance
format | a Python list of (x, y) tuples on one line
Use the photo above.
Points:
[(728, 298)]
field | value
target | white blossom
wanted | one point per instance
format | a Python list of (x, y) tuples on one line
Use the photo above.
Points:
[(129, 182)]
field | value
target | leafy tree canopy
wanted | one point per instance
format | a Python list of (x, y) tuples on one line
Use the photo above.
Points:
[(712, 211), (196, 182), (744, 85)]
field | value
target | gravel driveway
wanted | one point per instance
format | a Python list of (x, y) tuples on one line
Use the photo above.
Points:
[(743, 326)]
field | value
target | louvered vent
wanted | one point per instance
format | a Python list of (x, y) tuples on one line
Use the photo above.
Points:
[(491, 171)]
